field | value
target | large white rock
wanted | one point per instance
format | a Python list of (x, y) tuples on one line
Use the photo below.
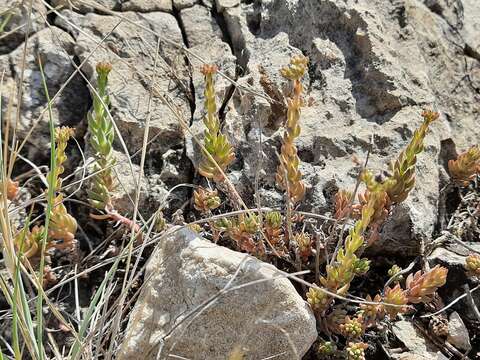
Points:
[(264, 319)]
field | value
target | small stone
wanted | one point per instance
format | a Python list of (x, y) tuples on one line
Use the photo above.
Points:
[(457, 333), (225, 4), (147, 5), (419, 347), (264, 319), (183, 4)]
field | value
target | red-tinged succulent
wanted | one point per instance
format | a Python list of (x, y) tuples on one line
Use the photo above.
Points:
[(289, 177), (466, 166), (353, 327), (206, 200), (420, 287), (12, 188)]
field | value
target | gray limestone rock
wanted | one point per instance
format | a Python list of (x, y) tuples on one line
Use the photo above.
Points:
[(263, 319)]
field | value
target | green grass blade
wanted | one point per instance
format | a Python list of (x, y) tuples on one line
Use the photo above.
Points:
[(76, 348), (50, 200)]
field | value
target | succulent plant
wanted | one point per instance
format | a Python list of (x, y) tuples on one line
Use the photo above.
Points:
[(304, 243), (216, 144), (399, 184), (356, 351), (28, 242), (318, 299), (273, 227), (472, 264), (395, 296), (205, 200), (372, 313), (466, 166), (62, 226), (352, 327), (62, 135), (12, 188), (394, 270), (343, 199), (102, 136), (289, 177), (421, 286), (326, 349)]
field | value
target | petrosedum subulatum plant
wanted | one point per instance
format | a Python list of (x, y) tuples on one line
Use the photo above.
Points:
[(273, 226), (347, 264), (304, 242), (466, 166), (394, 272), (289, 177), (62, 226), (463, 170), (472, 264), (216, 144), (392, 190), (28, 242), (356, 351), (243, 231), (396, 187), (373, 208), (217, 156), (206, 200), (326, 349), (402, 179), (101, 140), (102, 135)]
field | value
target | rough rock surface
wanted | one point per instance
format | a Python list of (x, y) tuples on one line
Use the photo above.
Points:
[(131, 51), (263, 319), (16, 14), (374, 65), (457, 333), (415, 342), (147, 5), (182, 4), (452, 256), (54, 48)]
